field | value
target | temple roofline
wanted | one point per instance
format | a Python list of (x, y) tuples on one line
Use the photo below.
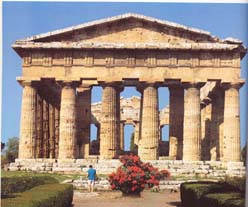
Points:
[(178, 46), (116, 18)]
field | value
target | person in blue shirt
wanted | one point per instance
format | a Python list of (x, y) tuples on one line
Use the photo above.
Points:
[(91, 178)]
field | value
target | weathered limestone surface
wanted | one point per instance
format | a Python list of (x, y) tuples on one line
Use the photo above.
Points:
[(136, 133), (231, 142), (67, 133), (148, 144), (130, 50), (121, 136), (206, 110), (28, 122), (57, 117), (129, 110), (192, 123), (45, 151), (205, 169), (109, 123), (176, 122), (39, 126), (216, 124), (83, 105), (51, 131), (118, 117)]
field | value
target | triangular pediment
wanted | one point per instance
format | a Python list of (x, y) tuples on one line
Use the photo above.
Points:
[(127, 28)]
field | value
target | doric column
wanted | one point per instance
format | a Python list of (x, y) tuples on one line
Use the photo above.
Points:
[(98, 134), (83, 120), (231, 142), (136, 133), (122, 125), (45, 128), (39, 124), (148, 144), (51, 131), (67, 128), (205, 129), (120, 134), (109, 123), (192, 123), (176, 121), (28, 122), (216, 124), (57, 116)]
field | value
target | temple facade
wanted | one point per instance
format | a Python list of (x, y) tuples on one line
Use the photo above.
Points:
[(201, 71)]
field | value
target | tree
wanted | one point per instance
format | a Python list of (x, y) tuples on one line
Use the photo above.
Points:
[(243, 154), (2, 145), (11, 151)]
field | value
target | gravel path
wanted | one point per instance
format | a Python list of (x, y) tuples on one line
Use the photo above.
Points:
[(115, 199)]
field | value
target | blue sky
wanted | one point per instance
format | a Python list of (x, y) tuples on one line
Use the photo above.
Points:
[(23, 19)]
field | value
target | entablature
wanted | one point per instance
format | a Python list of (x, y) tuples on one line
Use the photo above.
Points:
[(131, 58)]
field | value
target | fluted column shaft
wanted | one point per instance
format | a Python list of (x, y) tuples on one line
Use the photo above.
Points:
[(122, 125), (39, 128), (192, 123), (217, 116), (136, 134), (83, 120), (67, 133), (109, 123), (148, 144), (51, 131), (231, 142), (205, 129), (176, 121), (28, 122), (98, 133), (57, 117), (120, 145), (45, 128)]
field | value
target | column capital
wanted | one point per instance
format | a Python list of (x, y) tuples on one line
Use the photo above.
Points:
[(198, 85), (69, 83), (111, 84), (236, 85), (30, 83), (173, 83), (83, 88), (142, 85)]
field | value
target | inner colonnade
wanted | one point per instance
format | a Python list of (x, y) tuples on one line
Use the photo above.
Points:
[(201, 71), (58, 125)]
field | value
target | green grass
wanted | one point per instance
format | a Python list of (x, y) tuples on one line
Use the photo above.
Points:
[(58, 176)]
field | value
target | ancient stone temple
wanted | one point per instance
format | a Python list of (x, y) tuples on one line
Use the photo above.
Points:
[(201, 71)]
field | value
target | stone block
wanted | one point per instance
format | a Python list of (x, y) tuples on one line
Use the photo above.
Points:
[(66, 160), (229, 164), (178, 162), (13, 168)]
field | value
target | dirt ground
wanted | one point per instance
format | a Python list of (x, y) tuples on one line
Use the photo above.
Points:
[(115, 199)]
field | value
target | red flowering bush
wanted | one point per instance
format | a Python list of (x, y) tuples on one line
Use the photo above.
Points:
[(134, 175)]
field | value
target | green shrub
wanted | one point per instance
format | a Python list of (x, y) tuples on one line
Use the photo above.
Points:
[(230, 199), (192, 192), (49, 195), (11, 185), (236, 182)]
